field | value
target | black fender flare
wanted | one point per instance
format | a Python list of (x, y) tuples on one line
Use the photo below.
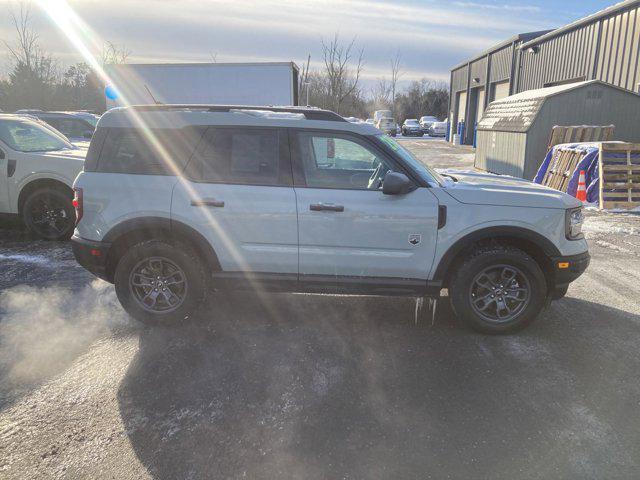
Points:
[(157, 227), (545, 245)]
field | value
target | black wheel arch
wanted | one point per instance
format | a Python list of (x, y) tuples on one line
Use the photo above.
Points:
[(131, 232), (536, 245), (41, 183)]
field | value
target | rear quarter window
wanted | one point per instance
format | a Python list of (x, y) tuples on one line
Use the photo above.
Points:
[(152, 152)]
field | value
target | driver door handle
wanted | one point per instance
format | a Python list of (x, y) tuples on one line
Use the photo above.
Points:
[(328, 207)]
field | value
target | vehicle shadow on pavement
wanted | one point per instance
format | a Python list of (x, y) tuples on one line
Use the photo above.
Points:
[(297, 386)]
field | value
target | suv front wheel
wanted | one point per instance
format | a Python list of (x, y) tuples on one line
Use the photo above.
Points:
[(159, 283), (498, 289)]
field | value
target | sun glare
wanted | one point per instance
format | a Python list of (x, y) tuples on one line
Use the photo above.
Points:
[(86, 41)]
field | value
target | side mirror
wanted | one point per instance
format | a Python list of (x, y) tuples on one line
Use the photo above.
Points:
[(88, 134), (396, 183), (2, 155)]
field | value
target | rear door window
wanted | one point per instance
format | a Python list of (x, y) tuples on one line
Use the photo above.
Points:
[(150, 152), (241, 156)]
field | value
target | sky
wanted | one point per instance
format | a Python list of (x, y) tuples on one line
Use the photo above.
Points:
[(431, 36)]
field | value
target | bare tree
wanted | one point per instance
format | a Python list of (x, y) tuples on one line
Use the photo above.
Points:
[(343, 68), (27, 44), (380, 94), (114, 54), (396, 73), (26, 52)]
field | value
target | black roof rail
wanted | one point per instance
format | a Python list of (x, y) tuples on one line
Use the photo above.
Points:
[(309, 113)]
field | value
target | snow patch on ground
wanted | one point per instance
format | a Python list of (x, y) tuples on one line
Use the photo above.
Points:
[(32, 259), (612, 246), (610, 224)]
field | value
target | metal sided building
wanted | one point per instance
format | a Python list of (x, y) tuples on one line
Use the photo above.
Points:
[(604, 46), (485, 78)]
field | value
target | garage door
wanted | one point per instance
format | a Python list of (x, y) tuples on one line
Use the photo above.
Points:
[(500, 90), (480, 105), (462, 106)]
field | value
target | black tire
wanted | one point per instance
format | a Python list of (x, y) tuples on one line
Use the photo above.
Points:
[(48, 213), (131, 285), (468, 283), (559, 293)]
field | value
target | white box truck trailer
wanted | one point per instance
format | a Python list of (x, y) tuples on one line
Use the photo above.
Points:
[(202, 83)]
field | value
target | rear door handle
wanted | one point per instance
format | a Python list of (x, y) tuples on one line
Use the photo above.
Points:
[(328, 207), (207, 202)]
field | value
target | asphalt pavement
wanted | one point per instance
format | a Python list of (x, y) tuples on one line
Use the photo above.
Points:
[(317, 387)]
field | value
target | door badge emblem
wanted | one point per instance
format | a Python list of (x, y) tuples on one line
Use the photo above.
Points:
[(415, 238)]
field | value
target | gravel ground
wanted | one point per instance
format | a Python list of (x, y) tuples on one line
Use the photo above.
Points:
[(302, 386)]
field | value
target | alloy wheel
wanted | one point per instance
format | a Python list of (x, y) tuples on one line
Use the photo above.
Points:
[(500, 293), (158, 284)]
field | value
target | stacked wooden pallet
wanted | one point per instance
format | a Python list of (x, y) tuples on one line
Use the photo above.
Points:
[(561, 167), (619, 169), (580, 134)]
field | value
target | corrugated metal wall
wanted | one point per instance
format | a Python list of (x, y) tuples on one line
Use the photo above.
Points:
[(566, 57), (459, 79), (607, 50), (618, 58), (501, 64), (479, 71)]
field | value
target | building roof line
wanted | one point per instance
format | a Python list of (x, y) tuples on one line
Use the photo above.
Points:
[(607, 12), (205, 64), (524, 37)]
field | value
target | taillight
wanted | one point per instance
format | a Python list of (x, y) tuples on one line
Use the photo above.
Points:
[(77, 203)]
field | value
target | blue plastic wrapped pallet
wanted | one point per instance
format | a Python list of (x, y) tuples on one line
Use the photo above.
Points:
[(588, 163)]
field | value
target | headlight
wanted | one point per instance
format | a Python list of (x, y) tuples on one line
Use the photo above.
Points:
[(574, 221)]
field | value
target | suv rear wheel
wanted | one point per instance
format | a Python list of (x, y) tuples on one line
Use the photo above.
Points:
[(159, 283), (49, 214), (498, 289)]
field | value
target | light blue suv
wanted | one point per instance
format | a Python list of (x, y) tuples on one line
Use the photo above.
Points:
[(176, 201)]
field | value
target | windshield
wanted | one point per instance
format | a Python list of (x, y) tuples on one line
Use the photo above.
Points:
[(27, 136), (427, 174), (411, 122)]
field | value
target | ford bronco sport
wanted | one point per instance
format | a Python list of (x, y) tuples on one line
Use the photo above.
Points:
[(176, 201)]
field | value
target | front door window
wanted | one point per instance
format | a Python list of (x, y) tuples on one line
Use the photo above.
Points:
[(335, 161)]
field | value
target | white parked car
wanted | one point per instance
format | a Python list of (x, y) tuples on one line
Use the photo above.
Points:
[(301, 200), (37, 170), (388, 125), (426, 122), (438, 129)]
